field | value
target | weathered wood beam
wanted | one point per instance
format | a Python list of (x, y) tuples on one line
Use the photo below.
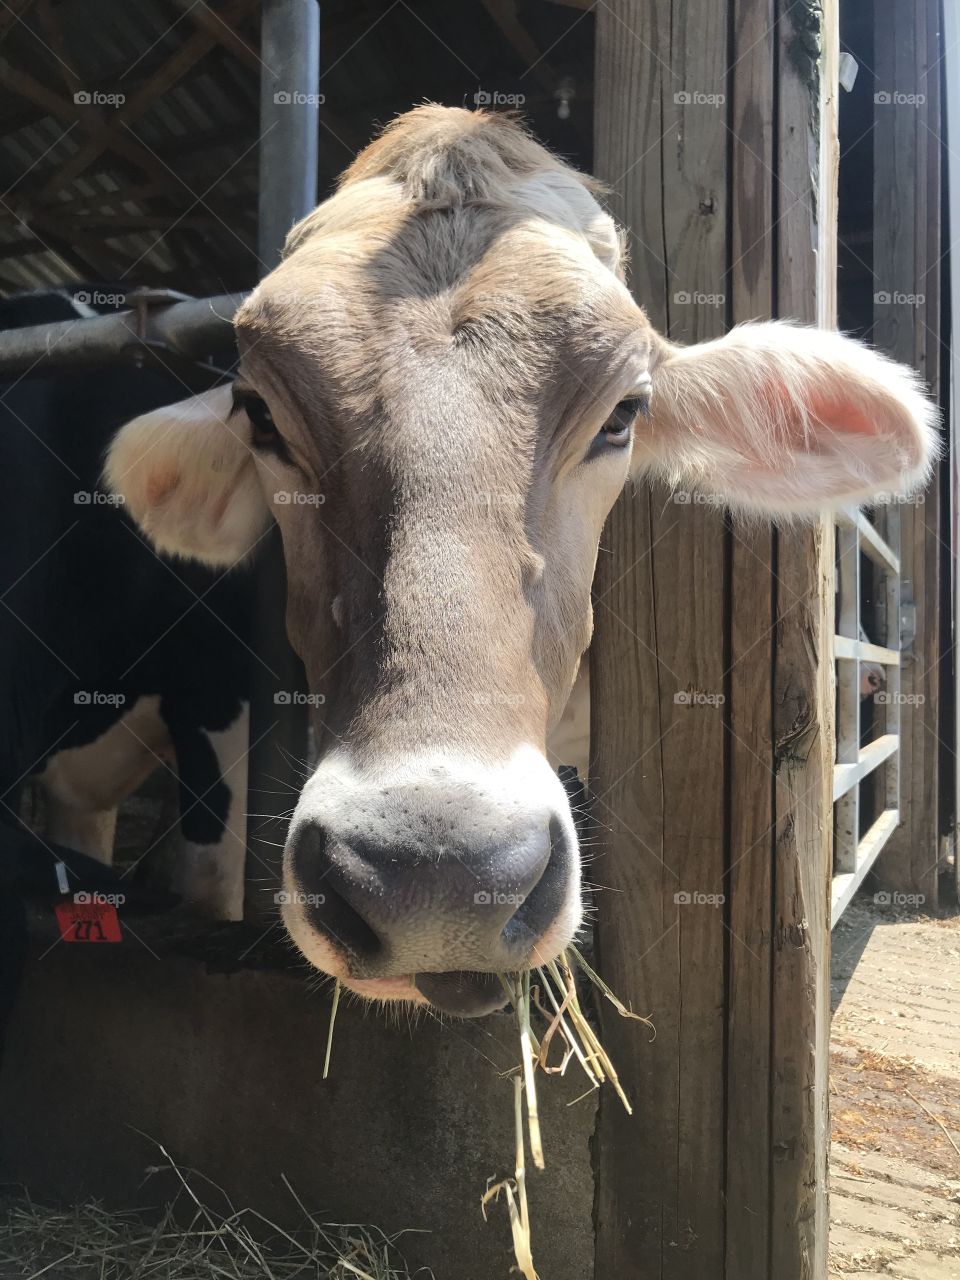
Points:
[(246, 49), (803, 678), (53, 34), (176, 66), (659, 758), (722, 1172), (750, 288), (906, 267), (12, 15), (114, 224), (504, 14), (100, 261), (90, 121)]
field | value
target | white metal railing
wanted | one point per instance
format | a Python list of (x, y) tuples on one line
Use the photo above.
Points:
[(854, 854)]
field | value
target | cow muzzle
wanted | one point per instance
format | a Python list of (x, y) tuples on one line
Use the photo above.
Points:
[(429, 881)]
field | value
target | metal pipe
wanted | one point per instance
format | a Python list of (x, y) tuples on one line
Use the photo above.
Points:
[(195, 329), (289, 120), (289, 148)]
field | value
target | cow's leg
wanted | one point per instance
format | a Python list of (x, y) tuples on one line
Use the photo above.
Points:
[(85, 785), (209, 866)]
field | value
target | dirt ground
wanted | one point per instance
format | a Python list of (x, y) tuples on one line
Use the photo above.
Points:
[(895, 1095)]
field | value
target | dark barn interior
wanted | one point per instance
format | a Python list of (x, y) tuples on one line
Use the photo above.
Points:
[(160, 189)]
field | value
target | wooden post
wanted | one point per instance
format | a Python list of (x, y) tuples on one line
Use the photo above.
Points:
[(722, 1170), (906, 267)]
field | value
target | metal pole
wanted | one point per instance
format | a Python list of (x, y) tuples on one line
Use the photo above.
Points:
[(289, 139), (289, 120), (195, 329)]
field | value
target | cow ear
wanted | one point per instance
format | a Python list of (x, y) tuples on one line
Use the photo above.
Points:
[(778, 419), (187, 477)]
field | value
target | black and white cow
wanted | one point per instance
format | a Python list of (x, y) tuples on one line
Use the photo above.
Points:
[(115, 661)]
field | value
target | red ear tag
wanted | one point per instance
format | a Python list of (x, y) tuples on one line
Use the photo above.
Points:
[(95, 920)]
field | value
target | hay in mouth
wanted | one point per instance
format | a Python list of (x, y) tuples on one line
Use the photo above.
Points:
[(552, 991)]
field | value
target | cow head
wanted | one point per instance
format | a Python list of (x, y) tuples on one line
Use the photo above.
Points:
[(443, 389)]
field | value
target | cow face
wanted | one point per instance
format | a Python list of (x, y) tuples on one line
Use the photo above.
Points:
[(443, 389)]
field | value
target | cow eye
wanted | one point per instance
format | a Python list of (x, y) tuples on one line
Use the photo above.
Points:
[(618, 428), (633, 407), (264, 433)]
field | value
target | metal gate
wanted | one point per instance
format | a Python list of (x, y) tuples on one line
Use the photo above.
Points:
[(866, 776)]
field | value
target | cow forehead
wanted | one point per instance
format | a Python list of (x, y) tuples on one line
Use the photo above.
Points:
[(400, 282)]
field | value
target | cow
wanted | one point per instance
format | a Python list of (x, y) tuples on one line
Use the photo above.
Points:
[(443, 388), (116, 661)]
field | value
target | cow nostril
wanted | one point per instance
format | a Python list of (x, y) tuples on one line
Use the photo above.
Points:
[(325, 908), (331, 915), (545, 901)]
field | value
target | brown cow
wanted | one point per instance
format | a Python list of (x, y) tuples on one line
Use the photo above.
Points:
[(443, 389)]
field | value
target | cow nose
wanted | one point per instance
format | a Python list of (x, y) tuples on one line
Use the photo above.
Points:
[(433, 900)]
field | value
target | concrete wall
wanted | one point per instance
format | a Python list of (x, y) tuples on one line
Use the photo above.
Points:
[(224, 1070)]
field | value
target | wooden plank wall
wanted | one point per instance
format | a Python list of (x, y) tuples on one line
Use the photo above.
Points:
[(907, 266), (722, 1170)]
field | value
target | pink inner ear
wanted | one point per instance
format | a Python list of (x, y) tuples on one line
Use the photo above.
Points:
[(841, 415), (161, 482)]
